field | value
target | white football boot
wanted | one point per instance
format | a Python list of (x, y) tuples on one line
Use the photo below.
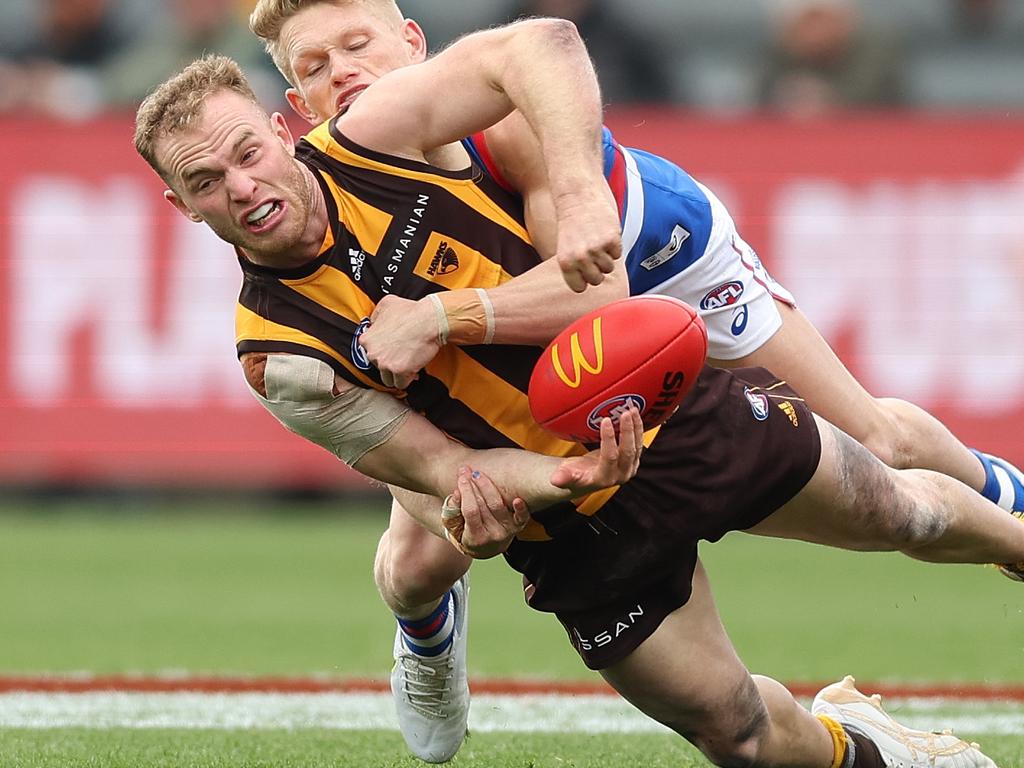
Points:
[(432, 694), (900, 747)]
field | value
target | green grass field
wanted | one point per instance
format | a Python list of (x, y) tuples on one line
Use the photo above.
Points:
[(238, 587), (324, 749)]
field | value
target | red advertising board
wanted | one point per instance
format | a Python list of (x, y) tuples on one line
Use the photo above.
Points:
[(902, 238)]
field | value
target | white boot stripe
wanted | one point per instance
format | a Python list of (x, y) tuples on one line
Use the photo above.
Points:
[(997, 462), (1006, 492)]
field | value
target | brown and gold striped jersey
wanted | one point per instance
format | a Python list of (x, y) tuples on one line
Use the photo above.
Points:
[(406, 228)]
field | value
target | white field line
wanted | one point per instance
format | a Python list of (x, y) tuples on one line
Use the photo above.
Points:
[(375, 711)]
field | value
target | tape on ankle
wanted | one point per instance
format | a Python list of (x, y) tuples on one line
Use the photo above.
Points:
[(840, 742), (468, 315)]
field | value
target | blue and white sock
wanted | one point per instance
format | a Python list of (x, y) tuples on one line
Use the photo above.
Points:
[(1004, 483), (432, 635)]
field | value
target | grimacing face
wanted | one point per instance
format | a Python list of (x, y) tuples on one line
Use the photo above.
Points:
[(235, 170), (336, 51)]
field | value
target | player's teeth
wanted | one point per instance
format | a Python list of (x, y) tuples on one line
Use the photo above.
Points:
[(259, 213)]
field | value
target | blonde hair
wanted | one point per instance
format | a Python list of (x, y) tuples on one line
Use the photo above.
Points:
[(175, 104), (269, 16)]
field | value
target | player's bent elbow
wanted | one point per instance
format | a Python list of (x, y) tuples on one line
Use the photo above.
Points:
[(550, 34), (555, 30)]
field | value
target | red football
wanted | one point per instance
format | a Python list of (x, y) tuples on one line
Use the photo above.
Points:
[(645, 349)]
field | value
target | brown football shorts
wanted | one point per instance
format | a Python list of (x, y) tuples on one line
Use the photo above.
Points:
[(740, 446)]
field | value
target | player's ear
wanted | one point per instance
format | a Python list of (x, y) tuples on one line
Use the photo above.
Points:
[(415, 39), (171, 197), (300, 107), (280, 127)]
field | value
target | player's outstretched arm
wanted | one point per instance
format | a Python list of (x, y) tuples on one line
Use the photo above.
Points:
[(481, 523), (541, 68), (404, 335), (382, 438), (385, 440), (420, 457)]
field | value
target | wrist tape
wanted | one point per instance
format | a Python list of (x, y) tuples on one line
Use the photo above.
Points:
[(464, 316)]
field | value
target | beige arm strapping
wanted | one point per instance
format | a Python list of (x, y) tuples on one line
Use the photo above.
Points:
[(301, 395)]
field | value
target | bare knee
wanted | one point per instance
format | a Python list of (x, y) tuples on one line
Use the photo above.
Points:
[(891, 433), (382, 576), (414, 568)]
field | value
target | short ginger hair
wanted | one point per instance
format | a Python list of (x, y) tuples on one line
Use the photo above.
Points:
[(175, 104)]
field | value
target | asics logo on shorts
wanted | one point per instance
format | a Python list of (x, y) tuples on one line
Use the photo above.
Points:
[(740, 315)]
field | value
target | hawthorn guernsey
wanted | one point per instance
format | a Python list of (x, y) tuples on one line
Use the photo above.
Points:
[(645, 351)]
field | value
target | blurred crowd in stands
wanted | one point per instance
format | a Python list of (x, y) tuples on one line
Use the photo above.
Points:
[(74, 58)]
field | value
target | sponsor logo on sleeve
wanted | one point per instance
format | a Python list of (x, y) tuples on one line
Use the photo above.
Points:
[(675, 243)]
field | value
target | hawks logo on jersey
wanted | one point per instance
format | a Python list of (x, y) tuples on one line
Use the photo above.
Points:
[(445, 261)]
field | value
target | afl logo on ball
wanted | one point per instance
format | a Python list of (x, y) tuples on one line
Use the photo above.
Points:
[(724, 295), (758, 403), (613, 409)]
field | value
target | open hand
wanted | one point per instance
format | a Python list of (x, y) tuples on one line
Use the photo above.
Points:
[(613, 463)]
